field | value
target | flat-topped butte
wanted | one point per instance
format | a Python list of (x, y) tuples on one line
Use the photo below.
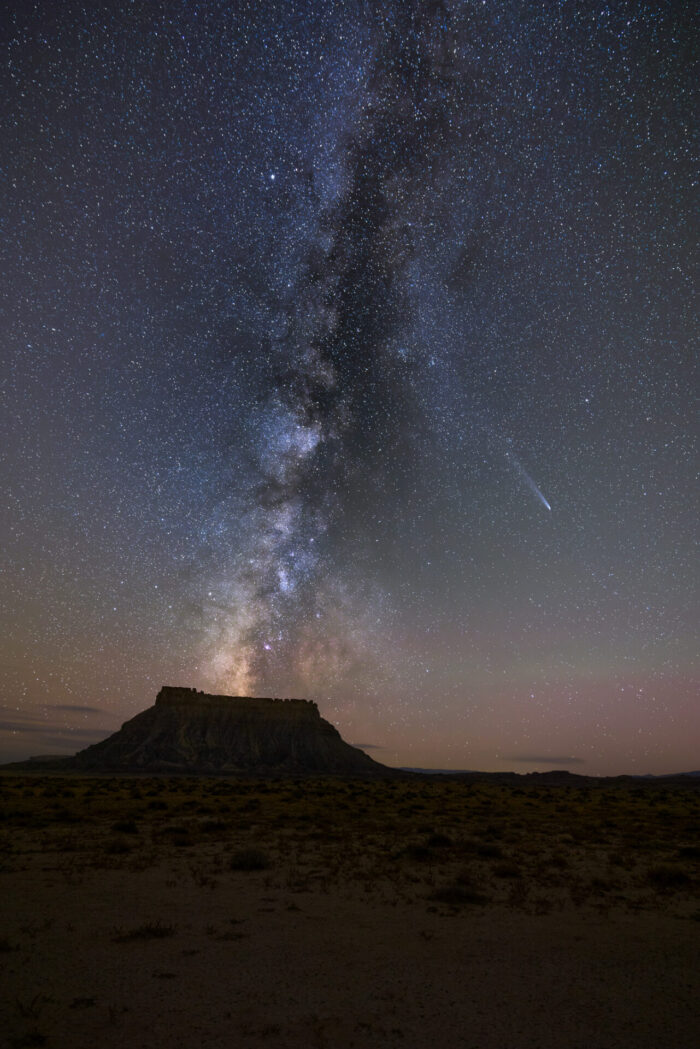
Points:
[(187, 731)]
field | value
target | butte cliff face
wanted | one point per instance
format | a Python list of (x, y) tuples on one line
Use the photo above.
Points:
[(189, 731)]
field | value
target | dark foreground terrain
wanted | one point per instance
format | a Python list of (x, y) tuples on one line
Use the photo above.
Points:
[(320, 913)]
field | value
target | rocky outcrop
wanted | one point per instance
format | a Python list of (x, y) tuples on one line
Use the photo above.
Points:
[(190, 731)]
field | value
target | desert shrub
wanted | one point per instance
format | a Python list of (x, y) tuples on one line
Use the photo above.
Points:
[(420, 853), (149, 931), (249, 860), (118, 847), (463, 890), (62, 815), (507, 870), (490, 851), (29, 1040), (125, 827), (666, 877), (602, 885), (177, 833), (558, 860), (213, 826), (182, 840), (689, 852), (439, 841), (456, 895)]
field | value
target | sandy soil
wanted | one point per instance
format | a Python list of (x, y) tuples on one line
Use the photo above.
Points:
[(168, 945)]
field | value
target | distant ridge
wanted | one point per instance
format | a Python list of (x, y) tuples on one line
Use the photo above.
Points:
[(560, 778), (190, 731)]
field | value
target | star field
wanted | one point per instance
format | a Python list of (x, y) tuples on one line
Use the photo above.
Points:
[(348, 353)]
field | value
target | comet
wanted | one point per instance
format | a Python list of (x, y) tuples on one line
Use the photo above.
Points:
[(528, 480), (533, 487)]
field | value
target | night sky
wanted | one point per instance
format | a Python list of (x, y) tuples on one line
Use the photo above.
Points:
[(348, 354)]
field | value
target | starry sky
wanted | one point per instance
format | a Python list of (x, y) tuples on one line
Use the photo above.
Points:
[(348, 354)]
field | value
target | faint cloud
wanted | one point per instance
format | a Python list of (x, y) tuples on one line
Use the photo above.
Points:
[(54, 732), (544, 759), (74, 707), (21, 725), (80, 733), (367, 746), (51, 732), (75, 740), (37, 721)]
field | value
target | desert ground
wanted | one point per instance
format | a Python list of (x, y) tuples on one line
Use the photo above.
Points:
[(329, 914)]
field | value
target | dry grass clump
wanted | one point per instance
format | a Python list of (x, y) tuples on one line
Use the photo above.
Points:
[(249, 860), (148, 931), (667, 876), (118, 847), (490, 851), (29, 1040), (125, 827), (459, 896), (507, 870), (464, 890)]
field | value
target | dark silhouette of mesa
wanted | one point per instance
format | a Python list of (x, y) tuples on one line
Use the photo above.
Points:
[(190, 731)]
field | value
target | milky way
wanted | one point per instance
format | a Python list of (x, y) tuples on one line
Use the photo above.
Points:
[(341, 405), (349, 355)]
